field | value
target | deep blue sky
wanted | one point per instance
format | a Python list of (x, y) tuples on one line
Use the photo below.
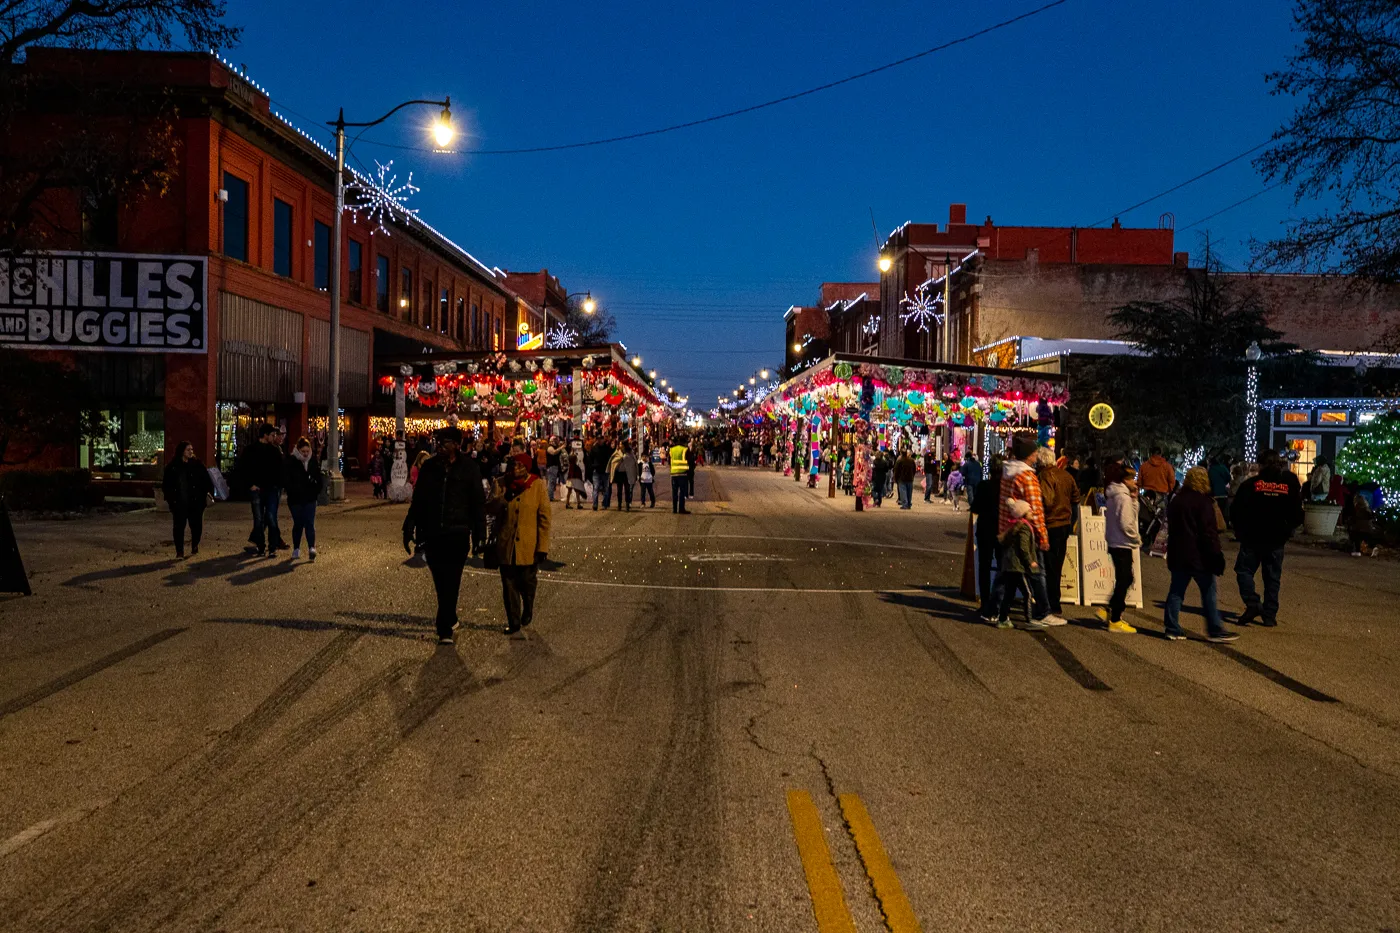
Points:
[(698, 240)]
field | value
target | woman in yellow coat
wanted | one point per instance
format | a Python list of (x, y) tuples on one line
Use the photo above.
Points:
[(523, 542)]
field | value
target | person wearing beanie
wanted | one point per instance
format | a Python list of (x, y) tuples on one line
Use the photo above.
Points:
[(1267, 509), (1121, 535), (1020, 565), (1019, 483), (447, 513), (1193, 553)]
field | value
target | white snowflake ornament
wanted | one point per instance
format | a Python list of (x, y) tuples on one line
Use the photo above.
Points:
[(382, 200)]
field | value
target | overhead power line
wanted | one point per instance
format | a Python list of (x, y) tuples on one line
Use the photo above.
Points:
[(786, 98), (1264, 191), (1195, 178)]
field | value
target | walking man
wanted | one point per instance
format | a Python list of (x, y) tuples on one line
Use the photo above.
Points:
[(598, 458), (680, 475), (447, 512), (904, 468), (1018, 482), (261, 465), (931, 474), (1060, 497), (1266, 511)]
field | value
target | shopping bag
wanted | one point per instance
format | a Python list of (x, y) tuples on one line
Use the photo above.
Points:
[(220, 484)]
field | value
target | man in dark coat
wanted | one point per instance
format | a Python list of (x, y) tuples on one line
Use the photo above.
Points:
[(598, 458), (448, 511), (1266, 511), (260, 466), (1193, 553)]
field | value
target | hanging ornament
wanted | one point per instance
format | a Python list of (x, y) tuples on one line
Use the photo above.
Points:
[(502, 398), (380, 199), (529, 388), (968, 402)]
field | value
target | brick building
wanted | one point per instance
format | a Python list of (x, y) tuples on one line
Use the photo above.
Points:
[(249, 208)]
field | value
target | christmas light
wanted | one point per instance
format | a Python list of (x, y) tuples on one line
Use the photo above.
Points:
[(381, 199), (871, 327), (921, 308), (1251, 416), (561, 338), (1372, 455)]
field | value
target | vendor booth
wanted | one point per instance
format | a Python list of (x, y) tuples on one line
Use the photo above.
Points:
[(862, 404)]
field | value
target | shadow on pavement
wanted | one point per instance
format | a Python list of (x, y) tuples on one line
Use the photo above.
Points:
[(267, 571), (412, 633), (208, 568), (934, 605), (116, 573)]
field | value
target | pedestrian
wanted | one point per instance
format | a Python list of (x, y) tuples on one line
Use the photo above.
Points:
[(553, 464), (188, 489), (1193, 553), (1122, 538), (418, 461), (303, 484), (680, 474), (1018, 481), (736, 449), (986, 506), (447, 513), (930, 473), (599, 457), (1060, 497), (646, 476), (1319, 480), (1157, 475), (953, 488), (623, 470), (904, 469), (576, 471), (376, 474), (1019, 565), (1219, 474), (879, 475), (523, 541), (1268, 507), (1360, 525), (971, 470), (261, 466)]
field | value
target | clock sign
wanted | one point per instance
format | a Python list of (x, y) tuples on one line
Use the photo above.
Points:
[(1101, 416)]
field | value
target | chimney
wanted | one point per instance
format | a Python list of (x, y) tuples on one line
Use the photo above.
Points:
[(957, 214), (1181, 260), (1116, 224)]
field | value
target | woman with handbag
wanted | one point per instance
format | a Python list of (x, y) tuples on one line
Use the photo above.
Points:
[(523, 541), (187, 489), (1194, 553)]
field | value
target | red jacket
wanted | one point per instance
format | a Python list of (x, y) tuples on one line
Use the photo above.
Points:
[(1018, 481)]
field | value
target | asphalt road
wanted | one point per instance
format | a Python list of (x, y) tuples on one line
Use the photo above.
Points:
[(772, 712)]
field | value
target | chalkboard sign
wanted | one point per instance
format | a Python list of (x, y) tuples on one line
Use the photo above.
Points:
[(1097, 573)]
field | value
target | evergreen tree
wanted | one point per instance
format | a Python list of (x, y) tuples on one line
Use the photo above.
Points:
[(1373, 456)]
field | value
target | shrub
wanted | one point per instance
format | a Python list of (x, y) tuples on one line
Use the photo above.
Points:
[(49, 490)]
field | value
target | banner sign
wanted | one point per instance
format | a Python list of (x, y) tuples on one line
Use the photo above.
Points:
[(117, 302)]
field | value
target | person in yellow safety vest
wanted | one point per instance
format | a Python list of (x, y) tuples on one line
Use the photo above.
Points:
[(680, 476)]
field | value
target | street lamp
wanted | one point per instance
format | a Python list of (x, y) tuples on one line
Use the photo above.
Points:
[(589, 305), (652, 374), (1251, 401), (763, 374), (886, 263), (753, 381), (636, 361), (442, 135), (797, 348)]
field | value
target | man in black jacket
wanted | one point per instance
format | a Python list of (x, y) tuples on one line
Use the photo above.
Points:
[(598, 459), (1267, 509), (260, 466), (448, 511)]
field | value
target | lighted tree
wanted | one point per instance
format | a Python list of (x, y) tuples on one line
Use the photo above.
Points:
[(1373, 456)]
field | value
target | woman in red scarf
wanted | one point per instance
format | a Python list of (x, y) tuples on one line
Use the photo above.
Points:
[(523, 542)]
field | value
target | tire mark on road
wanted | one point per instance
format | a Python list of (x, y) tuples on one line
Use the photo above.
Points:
[(1070, 664), (87, 670), (942, 654)]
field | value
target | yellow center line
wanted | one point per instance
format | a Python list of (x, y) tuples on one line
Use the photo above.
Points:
[(828, 903), (899, 915)]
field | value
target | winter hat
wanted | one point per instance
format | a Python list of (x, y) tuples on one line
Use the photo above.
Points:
[(1019, 508), (1198, 479), (1023, 445)]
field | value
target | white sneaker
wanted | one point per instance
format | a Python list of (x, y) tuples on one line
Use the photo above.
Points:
[(312, 552), (1053, 619), (296, 553)]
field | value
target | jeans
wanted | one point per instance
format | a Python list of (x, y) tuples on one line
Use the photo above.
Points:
[(1206, 583), (877, 490), (447, 555), (986, 552), (1122, 579), (1249, 561), (552, 478), (264, 503), (518, 585), (648, 490), (303, 519), (1032, 584), (1054, 562), (680, 487), (624, 488), (195, 517), (906, 495), (930, 486), (602, 490), (690, 478)]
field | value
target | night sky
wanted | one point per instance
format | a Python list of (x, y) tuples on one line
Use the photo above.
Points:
[(699, 239)]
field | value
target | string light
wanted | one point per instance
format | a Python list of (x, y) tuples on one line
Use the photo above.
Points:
[(1251, 415), (561, 338), (381, 199), (921, 308)]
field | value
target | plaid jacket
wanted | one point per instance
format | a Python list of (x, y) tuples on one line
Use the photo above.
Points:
[(1018, 481)]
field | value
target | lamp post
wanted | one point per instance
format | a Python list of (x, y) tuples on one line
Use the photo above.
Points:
[(442, 135), (1251, 401)]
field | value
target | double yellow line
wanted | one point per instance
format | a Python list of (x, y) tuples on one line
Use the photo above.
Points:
[(824, 885)]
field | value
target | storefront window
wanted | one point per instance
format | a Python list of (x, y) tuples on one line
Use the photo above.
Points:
[(1297, 417), (1306, 450), (131, 445), (235, 427), (1332, 417)]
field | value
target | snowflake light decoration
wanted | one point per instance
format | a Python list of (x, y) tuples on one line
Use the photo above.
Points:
[(921, 309), (561, 338), (381, 199)]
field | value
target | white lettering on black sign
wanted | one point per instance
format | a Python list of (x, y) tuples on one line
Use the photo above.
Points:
[(105, 301)]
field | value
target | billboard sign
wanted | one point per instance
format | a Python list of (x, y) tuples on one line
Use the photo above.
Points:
[(117, 302)]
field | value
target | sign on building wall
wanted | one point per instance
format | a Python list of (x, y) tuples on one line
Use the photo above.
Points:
[(117, 302)]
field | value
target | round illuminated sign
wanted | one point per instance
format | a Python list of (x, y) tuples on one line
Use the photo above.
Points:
[(1101, 416)]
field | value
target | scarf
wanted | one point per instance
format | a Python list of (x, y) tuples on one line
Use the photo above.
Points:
[(516, 485), (305, 458)]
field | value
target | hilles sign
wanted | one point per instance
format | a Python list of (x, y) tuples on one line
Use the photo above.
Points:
[(122, 302)]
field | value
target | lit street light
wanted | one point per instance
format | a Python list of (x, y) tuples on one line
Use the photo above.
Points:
[(886, 263), (636, 361), (797, 348), (442, 135), (763, 374)]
